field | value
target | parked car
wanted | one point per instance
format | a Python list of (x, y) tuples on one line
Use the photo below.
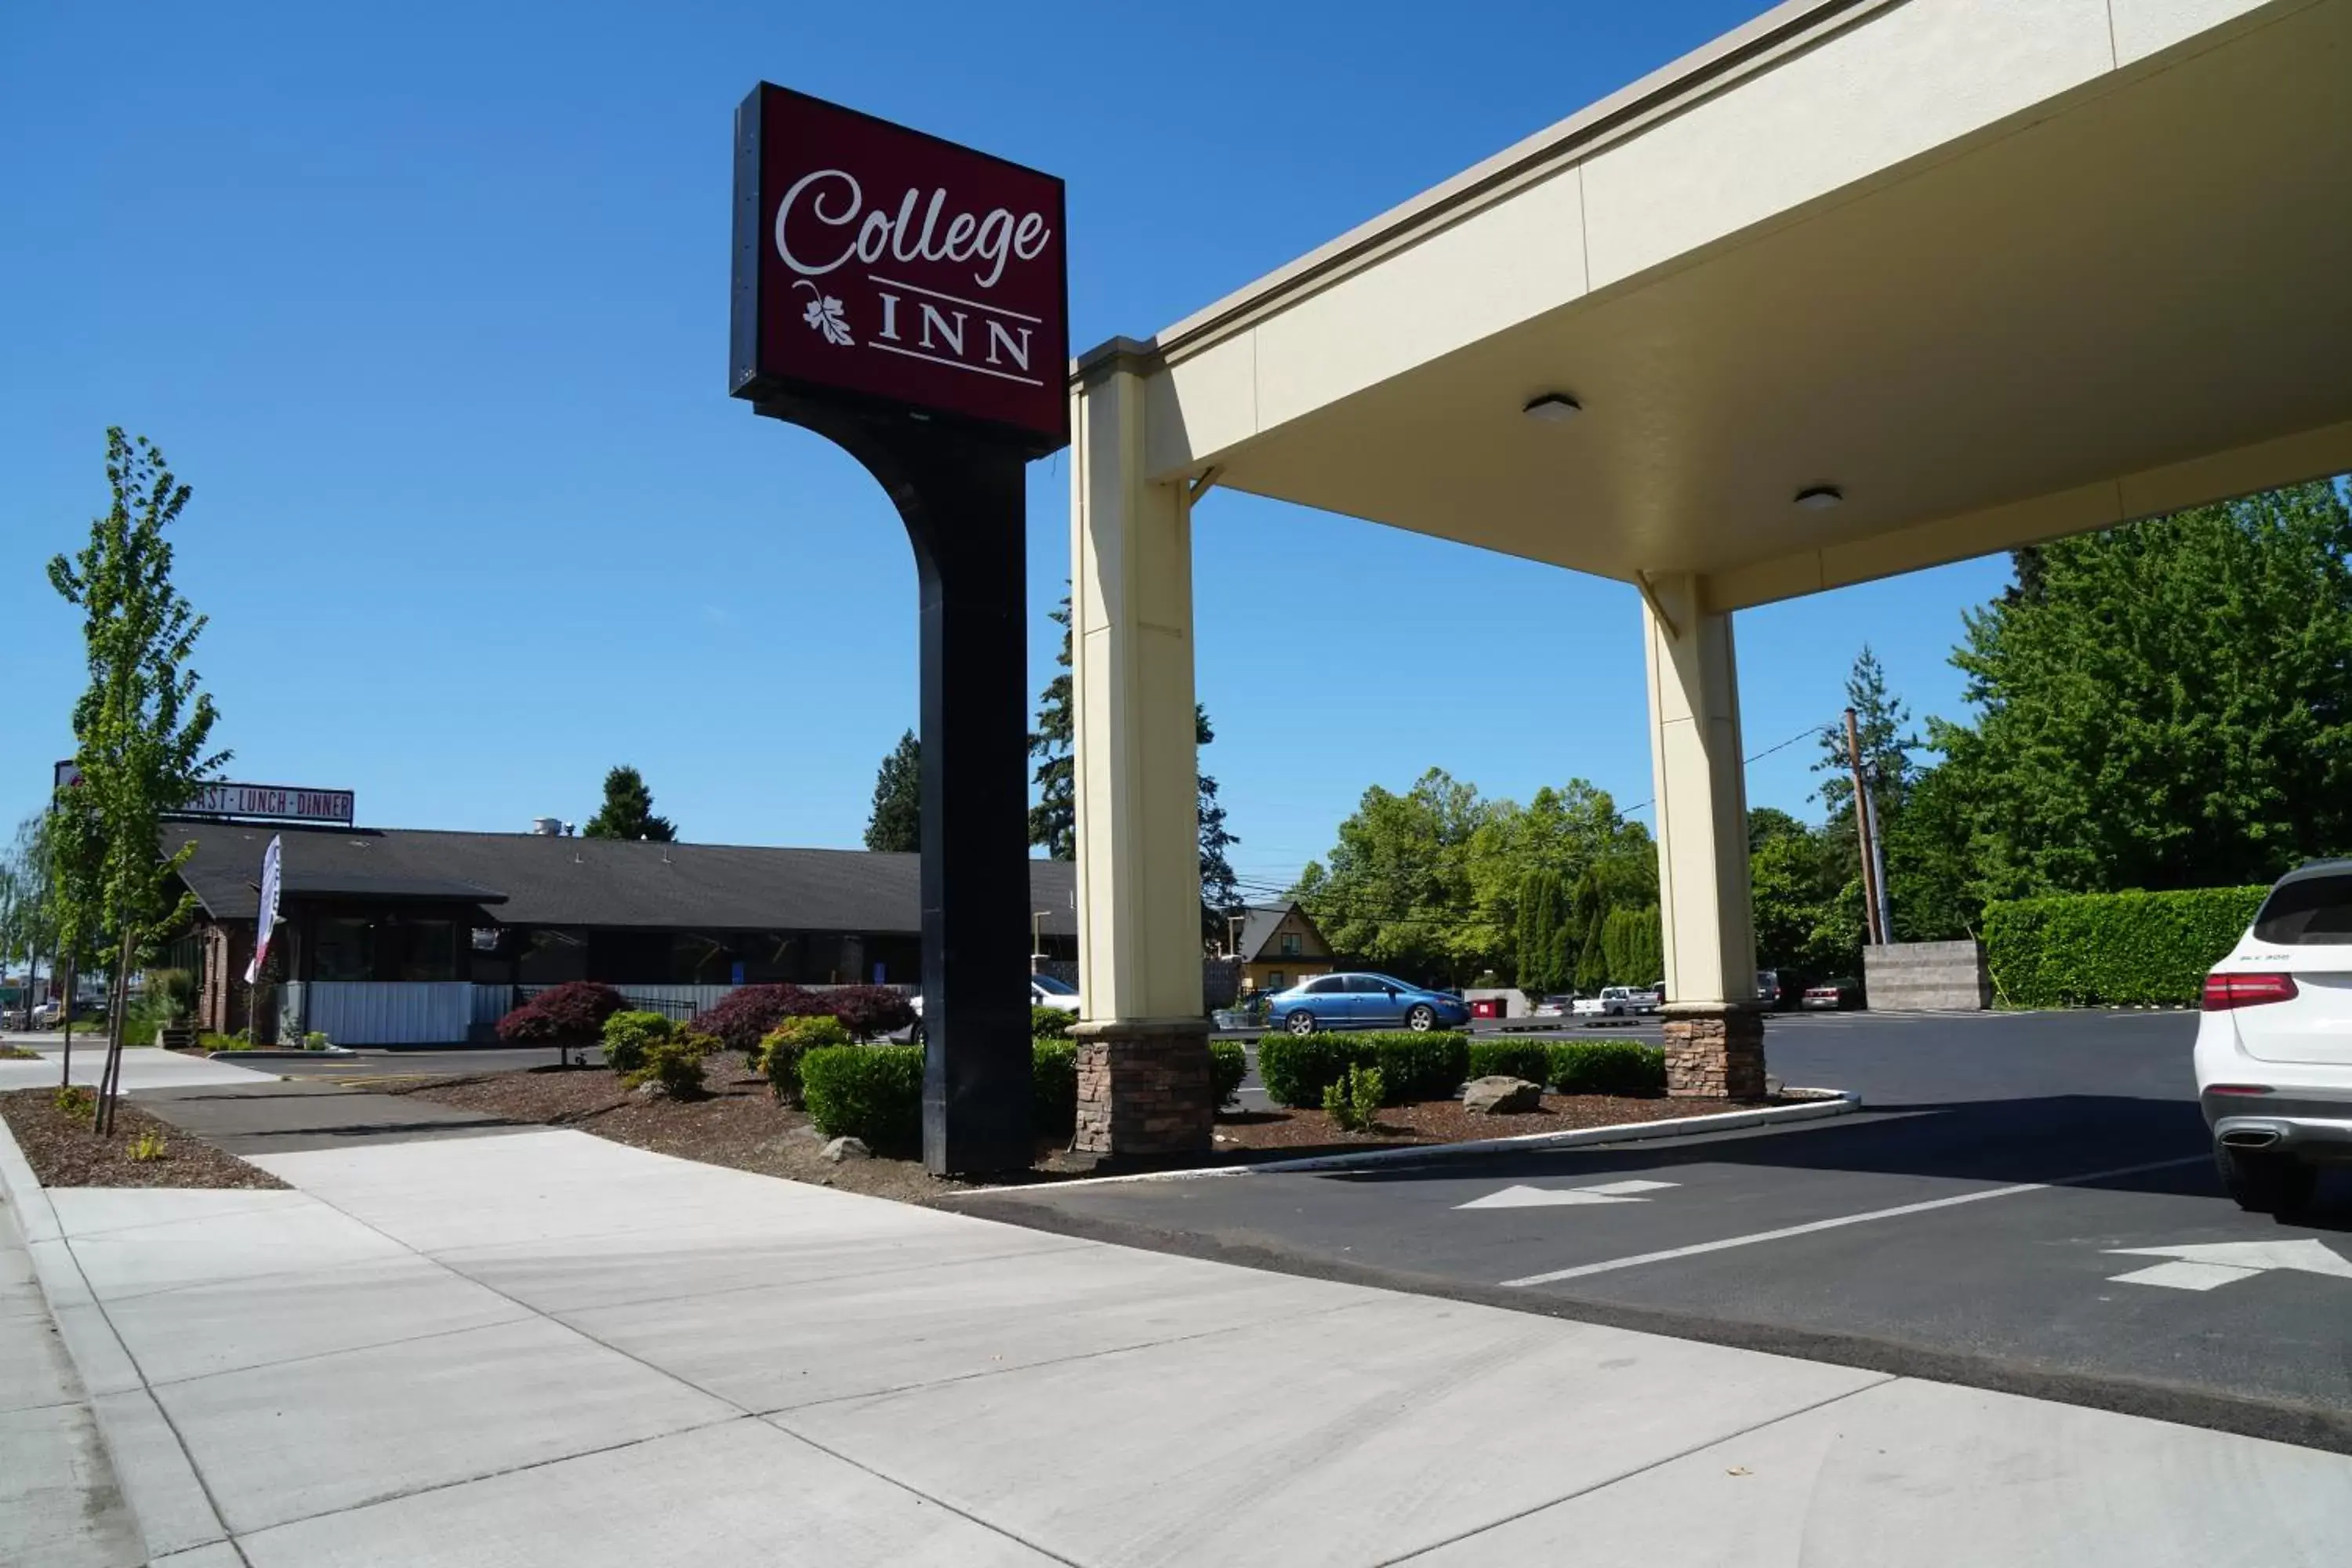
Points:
[(2273, 1054), (1364, 1002), (1779, 989), (1045, 991), (1559, 1007), (1617, 1002), (1831, 996)]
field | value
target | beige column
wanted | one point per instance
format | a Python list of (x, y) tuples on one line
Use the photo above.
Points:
[(1714, 1036), (1143, 1066)]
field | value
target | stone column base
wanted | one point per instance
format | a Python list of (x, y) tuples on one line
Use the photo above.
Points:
[(1714, 1052), (1145, 1090)]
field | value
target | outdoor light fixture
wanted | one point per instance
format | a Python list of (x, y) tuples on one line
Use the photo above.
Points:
[(1553, 408), (1819, 498)]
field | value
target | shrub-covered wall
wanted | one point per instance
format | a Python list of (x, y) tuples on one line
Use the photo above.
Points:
[(2088, 949), (1299, 1068)]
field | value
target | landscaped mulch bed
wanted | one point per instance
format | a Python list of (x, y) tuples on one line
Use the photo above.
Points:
[(738, 1123), (63, 1152), (1288, 1134)]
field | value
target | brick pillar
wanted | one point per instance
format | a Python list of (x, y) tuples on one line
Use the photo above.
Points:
[(1714, 1052), (1145, 1091)]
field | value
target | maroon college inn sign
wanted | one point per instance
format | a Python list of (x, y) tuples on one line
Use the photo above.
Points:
[(876, 263), (904, 298)]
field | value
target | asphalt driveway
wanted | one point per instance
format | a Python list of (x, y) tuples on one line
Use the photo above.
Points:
[(2027, 1203)]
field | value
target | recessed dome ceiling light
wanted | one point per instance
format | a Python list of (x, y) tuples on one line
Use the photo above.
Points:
[(1819, 498), (1553, 408)]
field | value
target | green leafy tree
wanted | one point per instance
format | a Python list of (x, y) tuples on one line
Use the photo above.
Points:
[(143, 729), (628, 811), (1397, 886), (2164, 705), (896, 824)]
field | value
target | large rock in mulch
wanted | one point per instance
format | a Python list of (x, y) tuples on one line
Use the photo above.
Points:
[(1501, 1095), (842, 1149)]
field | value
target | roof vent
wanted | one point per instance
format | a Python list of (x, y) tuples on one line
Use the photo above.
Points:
[(547, 826)]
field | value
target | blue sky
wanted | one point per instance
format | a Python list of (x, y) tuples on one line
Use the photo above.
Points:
[(429, 303)]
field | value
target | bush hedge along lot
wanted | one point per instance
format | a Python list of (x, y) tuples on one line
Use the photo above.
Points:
[(2092, 949), (1297, 1069), (1530, 1059), (1228, 1065), (1607, 1067)]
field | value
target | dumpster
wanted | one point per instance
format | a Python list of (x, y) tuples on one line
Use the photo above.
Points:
[(1486, 1007)]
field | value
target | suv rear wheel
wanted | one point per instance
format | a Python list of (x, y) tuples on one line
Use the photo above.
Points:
[(2264, 1182)]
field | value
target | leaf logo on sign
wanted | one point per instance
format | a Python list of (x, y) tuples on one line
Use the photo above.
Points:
[(825, 315)]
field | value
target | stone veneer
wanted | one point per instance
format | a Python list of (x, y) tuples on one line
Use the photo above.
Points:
[(1715, 1053), (1145, 1090)]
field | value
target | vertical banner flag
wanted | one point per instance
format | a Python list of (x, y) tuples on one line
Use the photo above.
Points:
[(268, 921)]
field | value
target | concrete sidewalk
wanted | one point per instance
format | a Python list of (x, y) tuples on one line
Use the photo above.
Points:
[(59, 1506), (438, 1352)]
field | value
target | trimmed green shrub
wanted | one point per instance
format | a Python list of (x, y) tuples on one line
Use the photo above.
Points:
[(1530, 1059), (870, 1092), (1054, 1087), (675, 1063), (1607, 1067), (1353, 1102), (627, 1036), (782, 1048), (1297, 1069), (1228, 1065), (208, 1041), (2078, 950), (1050, 1022)]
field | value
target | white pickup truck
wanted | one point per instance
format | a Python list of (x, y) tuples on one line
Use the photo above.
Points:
[(1616, 1001)]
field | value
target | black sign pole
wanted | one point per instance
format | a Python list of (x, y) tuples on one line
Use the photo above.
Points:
[(962, 498)]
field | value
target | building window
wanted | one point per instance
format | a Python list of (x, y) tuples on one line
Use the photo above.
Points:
[(426, 950), (1290, 944), (1274, 980), (345, 951)]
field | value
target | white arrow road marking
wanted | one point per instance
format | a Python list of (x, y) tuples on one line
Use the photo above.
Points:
[(1543, 1197), (2202, 1268)]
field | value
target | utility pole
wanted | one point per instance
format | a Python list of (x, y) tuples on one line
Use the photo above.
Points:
[(1862, 826)]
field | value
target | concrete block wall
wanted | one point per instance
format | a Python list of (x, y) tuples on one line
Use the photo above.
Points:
[(1926, 977)]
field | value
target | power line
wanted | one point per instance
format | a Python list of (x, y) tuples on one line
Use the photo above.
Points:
[(1806, 733)]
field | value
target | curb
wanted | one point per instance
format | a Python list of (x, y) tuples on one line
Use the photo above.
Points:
[(273, 1055), (1817, 1104), (167, 1501)]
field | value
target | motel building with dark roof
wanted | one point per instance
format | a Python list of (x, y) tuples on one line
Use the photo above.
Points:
[(406, 936)]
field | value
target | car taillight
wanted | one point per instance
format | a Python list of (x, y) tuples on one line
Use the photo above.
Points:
[(2225, 991)]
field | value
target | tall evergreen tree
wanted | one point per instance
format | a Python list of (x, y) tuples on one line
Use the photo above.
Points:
[(628, 811), (1053, 820), (143, 729), (897, 823)]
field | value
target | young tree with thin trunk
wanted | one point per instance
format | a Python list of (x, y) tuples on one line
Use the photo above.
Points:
[(142, 730)]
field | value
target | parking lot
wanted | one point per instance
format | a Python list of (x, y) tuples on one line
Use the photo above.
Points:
[(2026, 1202)]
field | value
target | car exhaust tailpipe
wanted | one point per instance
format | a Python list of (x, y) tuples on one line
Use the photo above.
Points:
[(2251, 1137)]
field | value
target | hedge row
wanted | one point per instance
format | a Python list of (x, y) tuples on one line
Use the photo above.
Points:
[(1297, 1069), (2098, 949), (875, 1092)]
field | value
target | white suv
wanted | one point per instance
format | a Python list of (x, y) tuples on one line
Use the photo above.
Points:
[(2274, 1045)]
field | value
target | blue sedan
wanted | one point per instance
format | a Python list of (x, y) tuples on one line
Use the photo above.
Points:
[(1364, 1002)]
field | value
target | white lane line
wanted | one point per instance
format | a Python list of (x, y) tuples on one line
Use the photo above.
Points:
[(1613, 1264)]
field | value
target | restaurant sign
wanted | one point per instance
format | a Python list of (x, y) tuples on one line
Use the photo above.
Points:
[(274, 802), (879, 265)]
